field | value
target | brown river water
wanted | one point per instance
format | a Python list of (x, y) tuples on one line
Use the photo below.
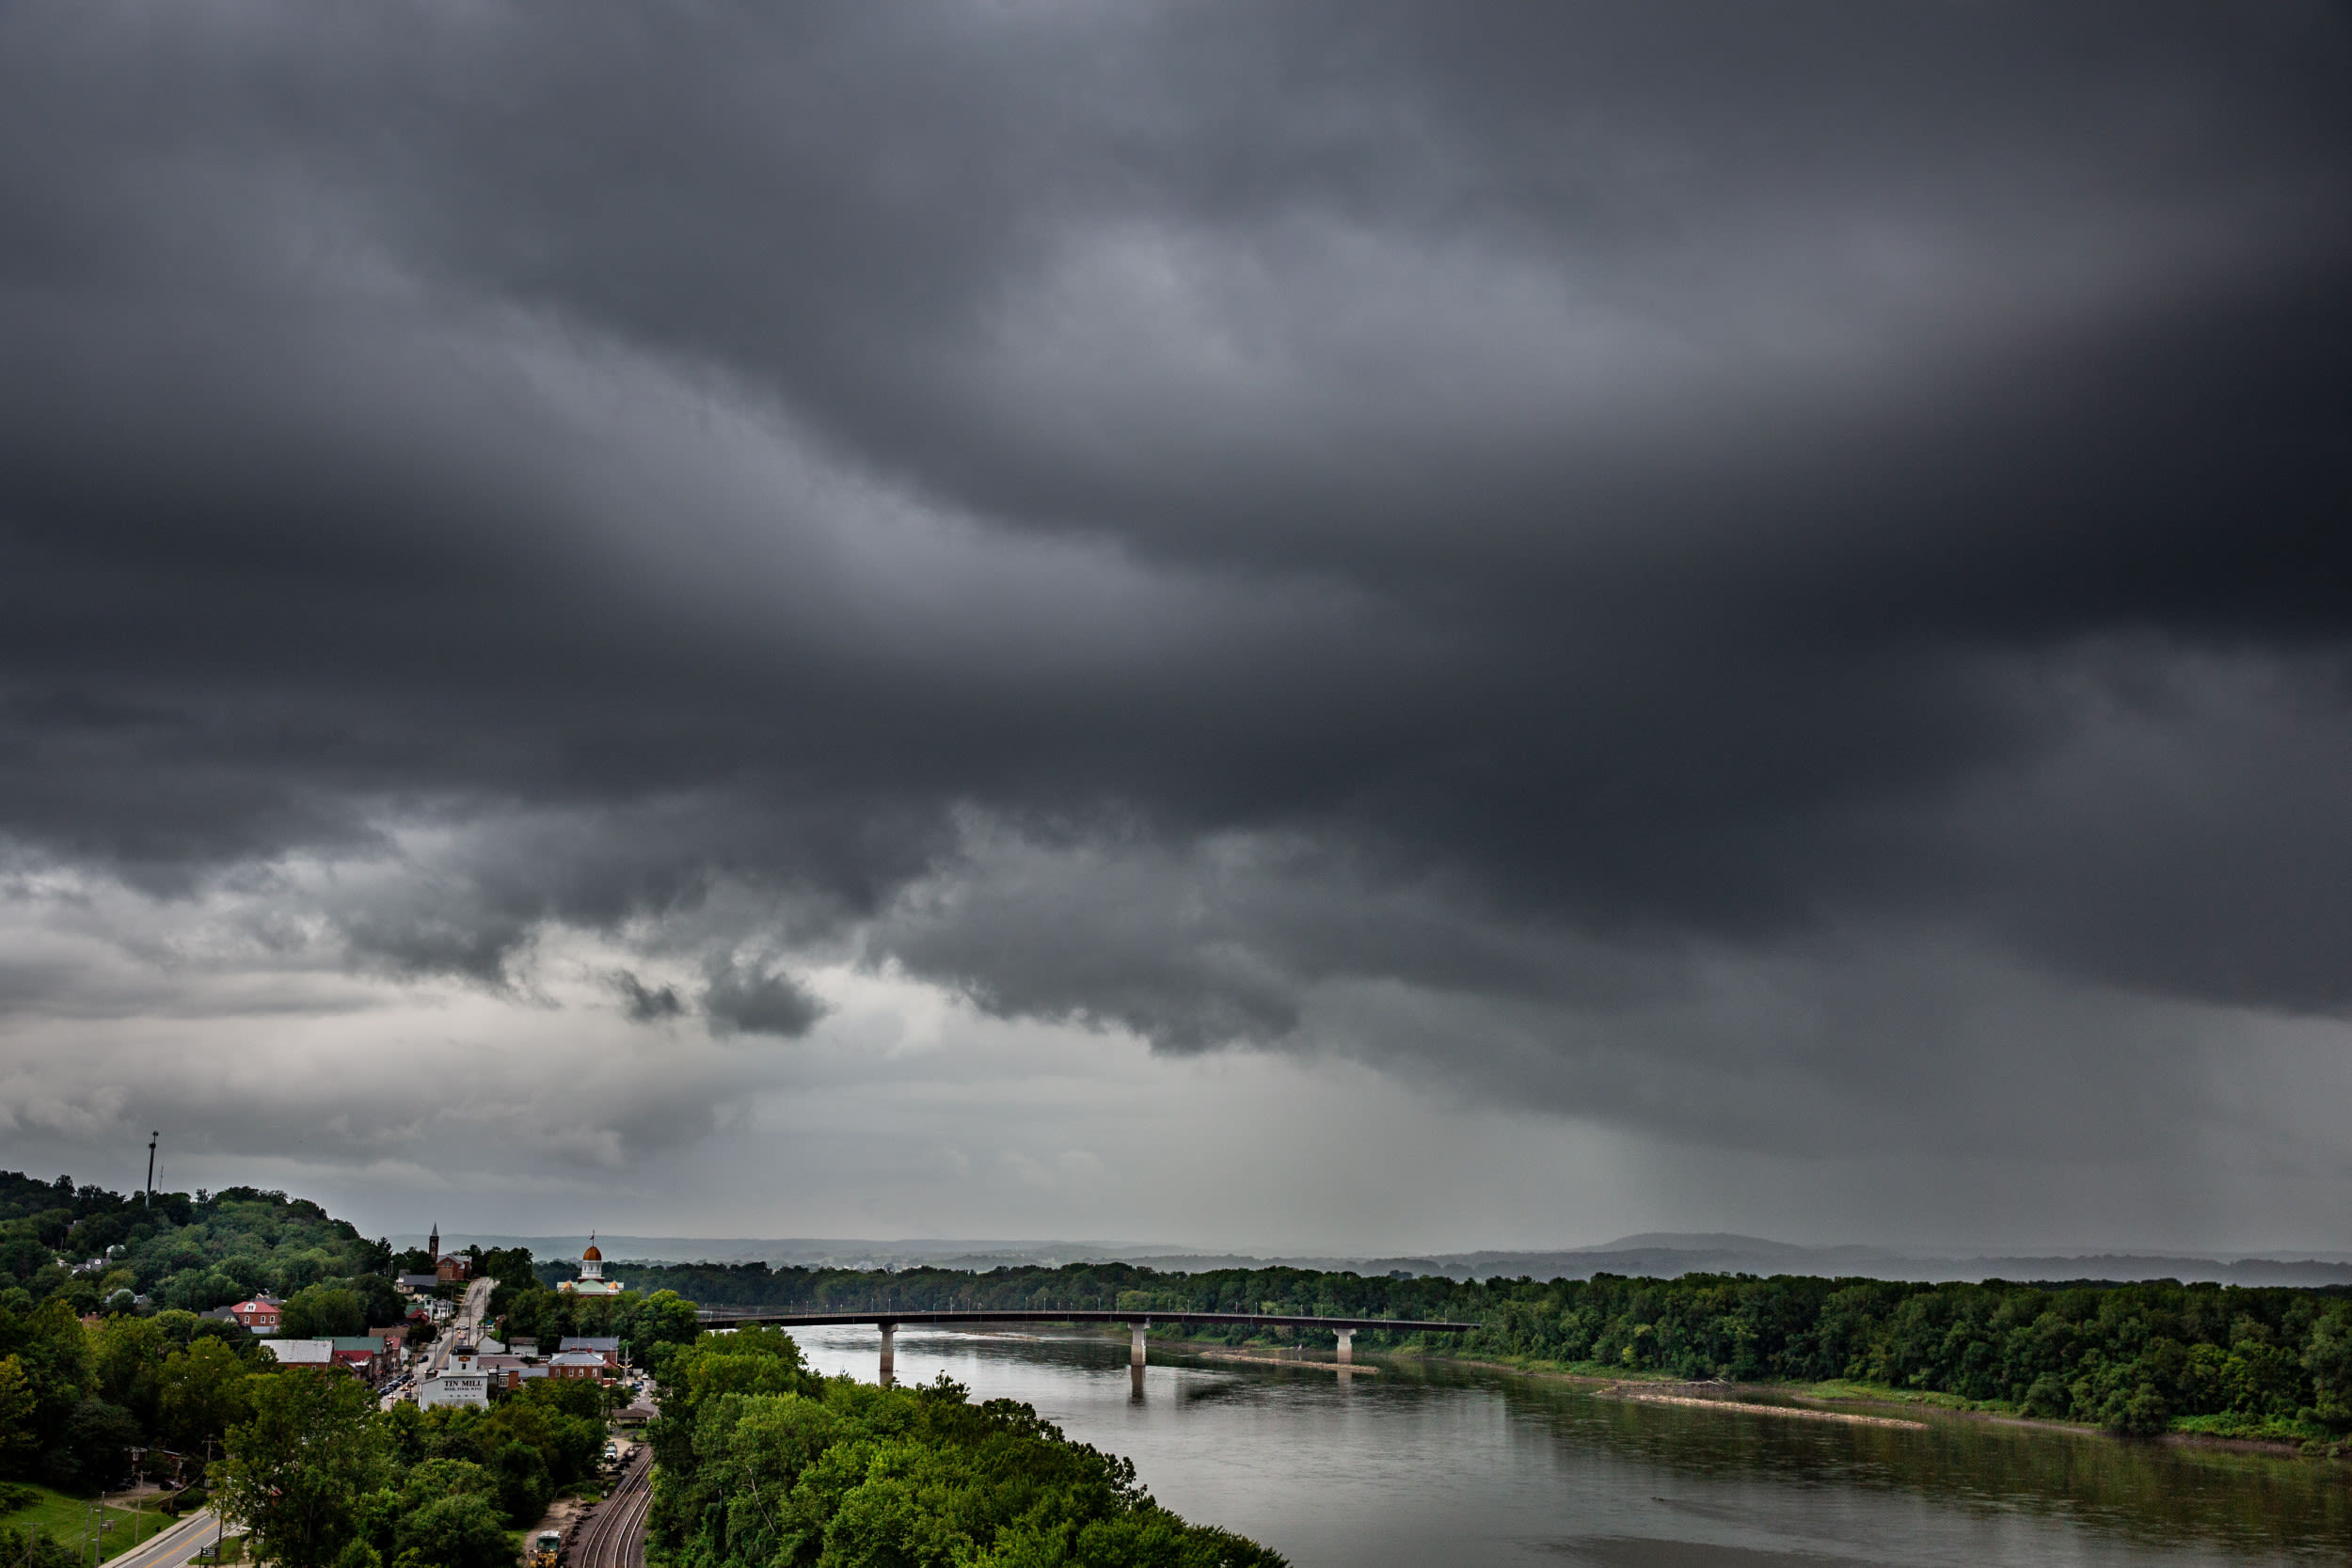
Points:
[(1432, 1465)]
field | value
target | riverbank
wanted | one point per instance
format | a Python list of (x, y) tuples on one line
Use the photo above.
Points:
[(1757, 1407), (1868, 1403), (1660, 1388)]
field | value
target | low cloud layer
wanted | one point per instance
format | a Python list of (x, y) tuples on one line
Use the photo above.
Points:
[(1684, 573)]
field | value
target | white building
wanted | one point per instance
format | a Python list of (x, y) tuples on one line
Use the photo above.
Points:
[(303, 1352), (464, 1381)]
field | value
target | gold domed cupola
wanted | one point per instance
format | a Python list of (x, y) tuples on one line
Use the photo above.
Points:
[(591, 1282)]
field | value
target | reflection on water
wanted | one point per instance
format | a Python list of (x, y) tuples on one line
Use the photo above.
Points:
[(1413, 1465)]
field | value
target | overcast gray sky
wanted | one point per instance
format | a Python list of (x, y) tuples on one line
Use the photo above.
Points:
[(1359, 626)]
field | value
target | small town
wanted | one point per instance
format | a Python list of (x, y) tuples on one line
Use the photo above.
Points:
[(145, 1350), (445, 1351)]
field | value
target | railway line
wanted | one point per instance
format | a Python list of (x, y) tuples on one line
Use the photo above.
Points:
[(612, 1535)]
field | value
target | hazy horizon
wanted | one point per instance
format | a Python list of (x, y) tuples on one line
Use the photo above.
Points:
[(677, 1248)]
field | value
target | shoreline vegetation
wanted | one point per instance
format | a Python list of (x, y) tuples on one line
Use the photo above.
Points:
[(1759, 1398), (1756, 1398)]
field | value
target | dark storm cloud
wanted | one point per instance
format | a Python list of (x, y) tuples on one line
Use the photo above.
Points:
[(744, 997), (646, 1003), (1148, 512)]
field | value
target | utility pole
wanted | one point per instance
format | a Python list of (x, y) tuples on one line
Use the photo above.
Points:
[(152, 1139)]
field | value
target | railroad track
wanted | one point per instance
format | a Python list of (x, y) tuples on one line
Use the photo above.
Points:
[(612, 1535)]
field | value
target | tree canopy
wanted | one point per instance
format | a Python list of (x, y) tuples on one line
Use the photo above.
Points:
[(764, 1464)]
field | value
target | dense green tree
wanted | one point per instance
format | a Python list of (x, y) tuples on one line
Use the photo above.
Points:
[(460, 1531), (524, 1484), (20, 1438), (22, 1257), (442, 1477), (323, 1312), (204, 1391), (53, 1354), (297, 1466), (99, 1439), (853, 1475), (2327, 1361), (126, 1356), (561, 1420), (663, 1318)]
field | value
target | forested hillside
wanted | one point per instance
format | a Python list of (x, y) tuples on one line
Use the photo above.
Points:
[(2260, 1362), (192, 1251), (76, 1398)]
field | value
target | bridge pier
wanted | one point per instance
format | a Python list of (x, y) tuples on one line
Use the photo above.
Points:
[(1135, 1353), (889, 1353), (1347, 1345)]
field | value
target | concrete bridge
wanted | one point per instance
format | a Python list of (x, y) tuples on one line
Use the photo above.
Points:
[(888, 1322)]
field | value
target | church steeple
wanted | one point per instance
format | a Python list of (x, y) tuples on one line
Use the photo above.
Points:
[(433, 1244)]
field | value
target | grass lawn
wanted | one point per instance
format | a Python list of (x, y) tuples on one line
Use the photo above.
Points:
[(68, 1519)]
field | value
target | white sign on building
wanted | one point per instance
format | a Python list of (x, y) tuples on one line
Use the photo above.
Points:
[(453, 1388)]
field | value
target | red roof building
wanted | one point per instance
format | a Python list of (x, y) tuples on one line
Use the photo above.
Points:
[(259, 1314), (577, 1364)]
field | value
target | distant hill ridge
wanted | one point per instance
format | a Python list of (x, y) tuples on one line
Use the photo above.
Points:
[(1661, 1255)]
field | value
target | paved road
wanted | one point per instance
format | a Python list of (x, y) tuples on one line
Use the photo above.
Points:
[(473, 1313), (466, 1324), (172, 1547)]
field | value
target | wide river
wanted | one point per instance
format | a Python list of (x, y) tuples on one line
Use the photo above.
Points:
[(1443, 1466)]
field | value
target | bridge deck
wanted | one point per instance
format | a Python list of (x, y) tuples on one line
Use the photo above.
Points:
[(906, 1319)]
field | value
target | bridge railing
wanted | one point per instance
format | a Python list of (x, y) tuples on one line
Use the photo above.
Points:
[(889, 1321), (877, 1316)]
